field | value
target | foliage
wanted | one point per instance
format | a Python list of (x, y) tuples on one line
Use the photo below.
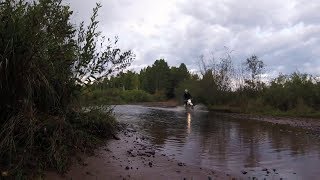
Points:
[(115, 96), (44, 62), (220, 87), (136, 96), (255, 68), (294, 91), (160, 80)]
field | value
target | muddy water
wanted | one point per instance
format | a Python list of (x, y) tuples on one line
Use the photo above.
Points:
[(238, 146)]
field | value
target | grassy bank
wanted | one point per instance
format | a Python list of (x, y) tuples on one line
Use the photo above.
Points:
[(32, 143)]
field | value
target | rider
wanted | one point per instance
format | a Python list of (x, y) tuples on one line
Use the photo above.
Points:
[(186, 96)]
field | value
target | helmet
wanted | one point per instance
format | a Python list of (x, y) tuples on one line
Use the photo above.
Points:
[(186, 90)]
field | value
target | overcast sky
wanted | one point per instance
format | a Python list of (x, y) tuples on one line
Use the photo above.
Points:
[(285, 34)]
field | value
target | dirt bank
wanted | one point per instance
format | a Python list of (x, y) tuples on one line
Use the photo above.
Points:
[(131, 157)]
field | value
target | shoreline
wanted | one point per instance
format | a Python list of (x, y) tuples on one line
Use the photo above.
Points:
[(130, 156), (312, 125)]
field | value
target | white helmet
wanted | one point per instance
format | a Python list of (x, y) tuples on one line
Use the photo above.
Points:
[(186, 90)]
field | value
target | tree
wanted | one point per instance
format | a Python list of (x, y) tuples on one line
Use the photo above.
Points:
[(255, 67), (160, 73), (94, 60)]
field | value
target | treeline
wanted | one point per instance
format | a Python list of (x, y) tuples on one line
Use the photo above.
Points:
[(154, 83), (45, 61), (222, 86)]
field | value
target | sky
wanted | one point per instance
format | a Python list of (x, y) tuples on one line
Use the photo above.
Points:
[(284, 34)]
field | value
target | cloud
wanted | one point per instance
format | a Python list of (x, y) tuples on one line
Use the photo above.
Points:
[(285, 34)]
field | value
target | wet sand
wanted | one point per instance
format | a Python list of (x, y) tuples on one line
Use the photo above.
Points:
[(131, 157)]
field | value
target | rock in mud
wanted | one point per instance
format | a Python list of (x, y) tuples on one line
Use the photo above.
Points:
[(131, 130), (127, 168), (150, 164), (115, 137), (181, 164), (152, 152), (244, 172), (106, 149)]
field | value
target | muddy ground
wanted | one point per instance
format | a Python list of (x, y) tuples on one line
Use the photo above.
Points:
[(130, 156)]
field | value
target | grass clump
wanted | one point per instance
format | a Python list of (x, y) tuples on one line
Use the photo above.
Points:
[(44, 141)]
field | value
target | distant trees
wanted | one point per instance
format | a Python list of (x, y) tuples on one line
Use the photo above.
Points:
[(158, 78), (297, 91)]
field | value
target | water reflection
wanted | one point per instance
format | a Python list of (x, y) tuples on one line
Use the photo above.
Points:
[(214, 141), (189, 122)]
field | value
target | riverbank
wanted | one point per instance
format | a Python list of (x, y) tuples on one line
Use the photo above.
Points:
[(312, 125), (130, 156)]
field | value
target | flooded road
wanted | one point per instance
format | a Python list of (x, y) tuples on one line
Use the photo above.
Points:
[(237, 146)]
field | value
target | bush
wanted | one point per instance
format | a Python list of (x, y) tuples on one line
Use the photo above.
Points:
[(44, 63), (50, 141), (136, 96), (102, 97)]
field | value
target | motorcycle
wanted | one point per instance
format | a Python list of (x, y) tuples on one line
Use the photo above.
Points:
[(189, 105)]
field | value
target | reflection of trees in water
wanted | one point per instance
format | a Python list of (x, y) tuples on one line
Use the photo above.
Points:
[(222, 138), (279, 137), (160, 125), (250, 134), (215, 136), (293, 139)]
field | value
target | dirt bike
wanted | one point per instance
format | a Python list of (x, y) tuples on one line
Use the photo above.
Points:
[(189, 105)]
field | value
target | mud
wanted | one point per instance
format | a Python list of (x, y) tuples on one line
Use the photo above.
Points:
[(132, 157)]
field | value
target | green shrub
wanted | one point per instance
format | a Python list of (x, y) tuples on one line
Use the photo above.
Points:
[(44, 63), (136, 96), (50, 141)]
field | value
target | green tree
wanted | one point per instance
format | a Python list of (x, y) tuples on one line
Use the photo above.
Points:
[(255, 67)]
